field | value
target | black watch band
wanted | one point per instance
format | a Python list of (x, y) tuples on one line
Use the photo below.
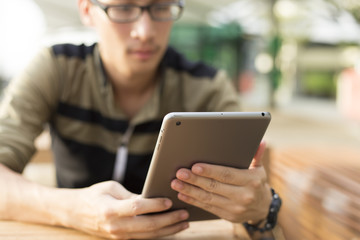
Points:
[(271, 218)]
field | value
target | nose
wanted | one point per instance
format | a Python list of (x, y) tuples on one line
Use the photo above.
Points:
[(144, 28)]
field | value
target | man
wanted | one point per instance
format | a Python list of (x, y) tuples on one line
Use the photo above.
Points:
[(104, 104)]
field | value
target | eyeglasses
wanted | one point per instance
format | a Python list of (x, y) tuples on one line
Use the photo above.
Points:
[(125, 13)]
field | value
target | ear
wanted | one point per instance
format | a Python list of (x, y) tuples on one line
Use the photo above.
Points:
[(85, 12)]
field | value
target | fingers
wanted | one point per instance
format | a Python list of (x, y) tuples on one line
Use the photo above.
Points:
[(234, 176), (130, 205), (115, 189), (170, 230), (226, 192), (190, 194), (139, 206), (228, 175), (256, 162), (142, 227), (219, 180), (228, 207), (151, 226), (109, 210), (207, 203), (210, 194), (202, 183)]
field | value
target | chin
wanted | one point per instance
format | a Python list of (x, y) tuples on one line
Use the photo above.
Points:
[(144, 67), (151, 63)]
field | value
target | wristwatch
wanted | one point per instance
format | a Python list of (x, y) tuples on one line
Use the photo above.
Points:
[(271, 218)]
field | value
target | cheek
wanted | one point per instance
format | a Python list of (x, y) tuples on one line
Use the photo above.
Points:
[(164, 33), (116, 37)]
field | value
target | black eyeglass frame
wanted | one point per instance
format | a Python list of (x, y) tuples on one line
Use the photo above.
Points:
[(106, 7)]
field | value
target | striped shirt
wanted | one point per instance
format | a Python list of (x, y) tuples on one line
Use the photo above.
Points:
[(66, 87)]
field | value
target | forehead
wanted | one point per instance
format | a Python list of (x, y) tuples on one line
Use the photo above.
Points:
[(137, 2)]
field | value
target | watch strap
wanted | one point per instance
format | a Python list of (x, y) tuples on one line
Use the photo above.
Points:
[(271, 218)]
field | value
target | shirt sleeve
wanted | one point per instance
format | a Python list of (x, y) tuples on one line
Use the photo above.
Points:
[(27, 105)]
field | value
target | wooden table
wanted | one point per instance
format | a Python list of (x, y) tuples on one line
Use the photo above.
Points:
[(320, 189), (204, 230)]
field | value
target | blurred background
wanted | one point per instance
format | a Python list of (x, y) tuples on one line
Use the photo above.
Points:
[(298, 59)]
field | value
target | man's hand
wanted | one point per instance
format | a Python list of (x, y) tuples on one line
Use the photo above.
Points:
[(237, 195), (108, 210), (105, 209)]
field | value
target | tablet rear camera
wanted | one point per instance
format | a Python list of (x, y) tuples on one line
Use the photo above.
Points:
[(178, 123)]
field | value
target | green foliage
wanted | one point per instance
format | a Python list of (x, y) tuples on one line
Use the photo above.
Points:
[(274, 48), (320, 84), (219, 47)]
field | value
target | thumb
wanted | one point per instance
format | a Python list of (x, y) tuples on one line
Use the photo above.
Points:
[(256, 162), (114, 189), (120, 192)]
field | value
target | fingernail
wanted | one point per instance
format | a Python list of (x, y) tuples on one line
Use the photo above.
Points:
[(197, 169), (185, 225), (184, 215), (178, 185), (167, 203), (183, 174)]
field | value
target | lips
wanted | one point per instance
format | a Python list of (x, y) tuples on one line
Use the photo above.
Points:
[(143, 54)]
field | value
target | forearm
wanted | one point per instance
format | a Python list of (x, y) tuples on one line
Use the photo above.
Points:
[(22, 200)]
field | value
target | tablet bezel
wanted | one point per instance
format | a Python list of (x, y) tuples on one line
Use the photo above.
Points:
[(186, 138)]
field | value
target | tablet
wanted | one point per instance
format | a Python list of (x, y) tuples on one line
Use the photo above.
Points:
[(185, 138)]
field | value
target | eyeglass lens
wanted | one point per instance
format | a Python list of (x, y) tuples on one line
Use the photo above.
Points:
[(160, 12)]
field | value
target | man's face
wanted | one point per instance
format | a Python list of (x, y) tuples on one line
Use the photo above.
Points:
[(135, 47)]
